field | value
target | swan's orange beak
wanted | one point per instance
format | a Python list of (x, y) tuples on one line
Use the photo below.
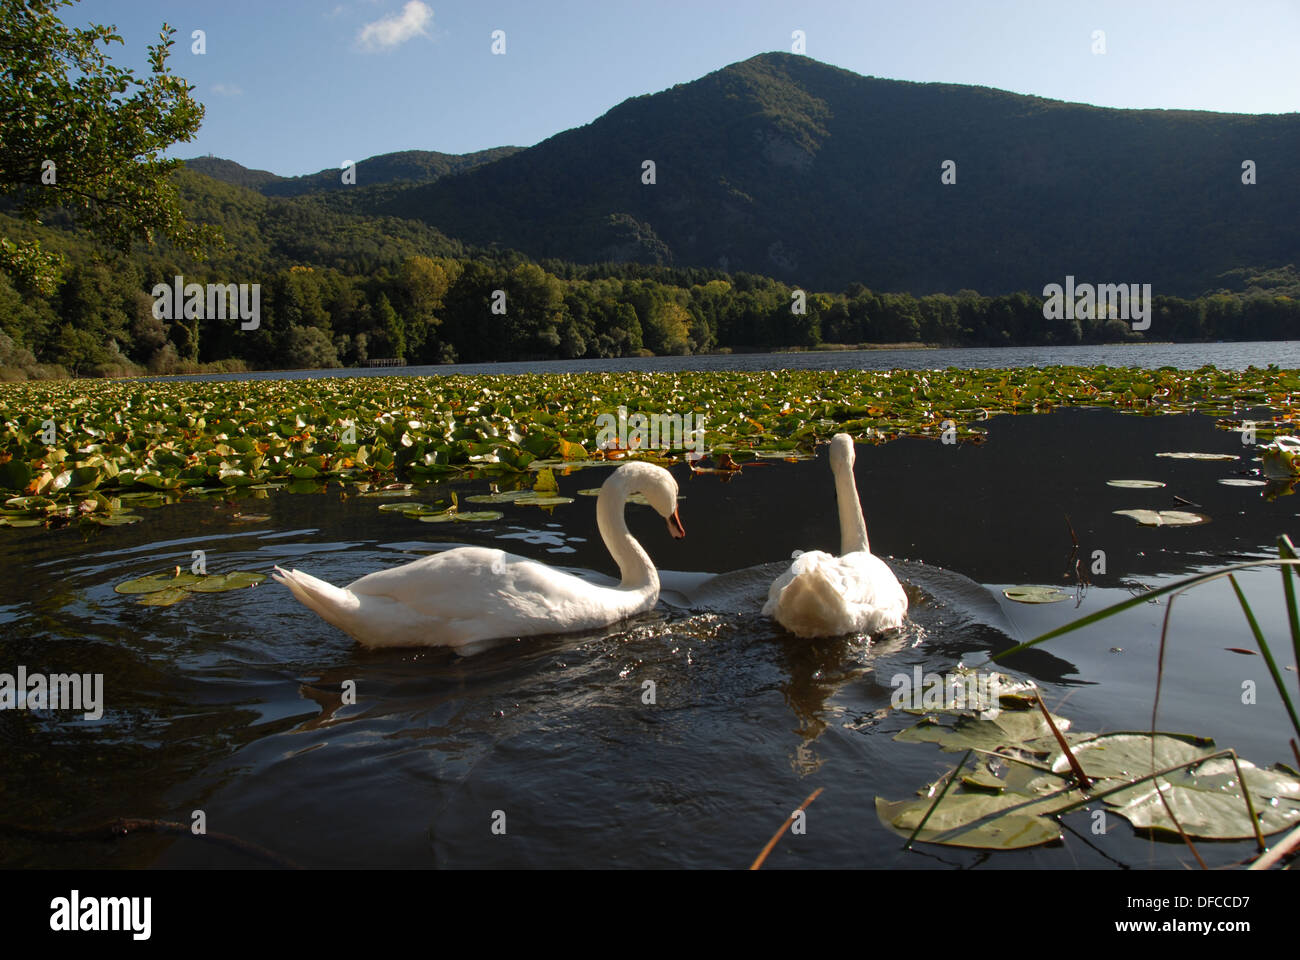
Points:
[(675, 526)]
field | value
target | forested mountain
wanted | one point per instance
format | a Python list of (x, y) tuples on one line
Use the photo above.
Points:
[(406, 166), (788, 167), (794, 205)]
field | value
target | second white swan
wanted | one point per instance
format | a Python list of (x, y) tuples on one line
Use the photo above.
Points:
[(471, 594), (822, 595)]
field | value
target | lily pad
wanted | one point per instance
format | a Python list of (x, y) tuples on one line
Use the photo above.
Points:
[(632, 498), (471, 516), (542, 500), (1206, 796), (1015, 816), (503, 496), (220, 582), (1033, 594), (1123, 756), (163, 598), (1242, 482), (954, 822), (15, 475), (1165, 518), (1025, 729), (157, 582), (1199, 456), (115, 519), (1135, 484), (1208, 802)]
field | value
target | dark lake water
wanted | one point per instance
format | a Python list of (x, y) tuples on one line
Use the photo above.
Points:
[(230, 703), (1187, 356)]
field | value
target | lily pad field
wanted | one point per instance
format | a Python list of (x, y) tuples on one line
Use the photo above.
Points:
[(71, 450), (1014, 720)]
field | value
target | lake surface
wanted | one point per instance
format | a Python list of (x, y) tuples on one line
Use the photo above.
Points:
[(231, 703), (1186, 356)]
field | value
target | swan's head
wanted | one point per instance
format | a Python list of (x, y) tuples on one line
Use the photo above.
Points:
[(842, 454), (658, 487)]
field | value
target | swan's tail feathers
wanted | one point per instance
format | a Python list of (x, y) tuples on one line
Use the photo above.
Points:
[(811, 602), (332, 603)]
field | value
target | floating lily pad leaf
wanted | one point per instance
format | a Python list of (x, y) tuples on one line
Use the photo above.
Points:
[(985, 810), (15, 475), (81, 478), (540, 500), (1125, 756), (1207, 800), (220, 582), (28, 503), (22, 522), (157, 581), (1032, 594), (982, 779), (1206, 797), (504, 496), (564, 466), (1022, 728), (472, 516), (163, 598), (1165, 518), (1242, 482), (1135, 484), (1199, 456), (964, 691), (633, 498), (571, 451), (951, 823), (420, 510), (115, 519), (403, 507), (304, 486)]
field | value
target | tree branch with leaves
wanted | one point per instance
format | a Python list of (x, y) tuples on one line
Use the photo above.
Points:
[(81, 134)]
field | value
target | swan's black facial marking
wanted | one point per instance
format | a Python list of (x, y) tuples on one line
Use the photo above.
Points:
[(675, 526)]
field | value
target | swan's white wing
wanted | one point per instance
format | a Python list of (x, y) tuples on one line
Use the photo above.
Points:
[(478, 592)]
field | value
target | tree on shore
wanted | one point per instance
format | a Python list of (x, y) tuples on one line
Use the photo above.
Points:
[(80, 134)]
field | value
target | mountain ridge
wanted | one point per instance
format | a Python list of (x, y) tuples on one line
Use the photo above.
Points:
[(746, 153), (784, 166), (416, 166)]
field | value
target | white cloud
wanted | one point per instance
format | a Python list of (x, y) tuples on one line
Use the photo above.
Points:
[(227, 89), (396, 28)]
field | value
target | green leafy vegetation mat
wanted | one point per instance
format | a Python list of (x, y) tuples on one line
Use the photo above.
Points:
[(95, 450)]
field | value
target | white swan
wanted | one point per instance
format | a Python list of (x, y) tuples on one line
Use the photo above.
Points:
[(471, 594), (827, 596)]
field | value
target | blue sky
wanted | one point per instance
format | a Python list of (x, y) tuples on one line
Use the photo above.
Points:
[(294, 86)]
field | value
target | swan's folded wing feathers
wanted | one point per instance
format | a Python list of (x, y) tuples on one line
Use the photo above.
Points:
[(485, 585)]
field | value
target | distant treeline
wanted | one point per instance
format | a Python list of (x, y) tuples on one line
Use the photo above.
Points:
[(100, 320)]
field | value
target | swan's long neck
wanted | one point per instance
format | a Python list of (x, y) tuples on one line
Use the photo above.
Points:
[(853, 529), (634, 564)]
